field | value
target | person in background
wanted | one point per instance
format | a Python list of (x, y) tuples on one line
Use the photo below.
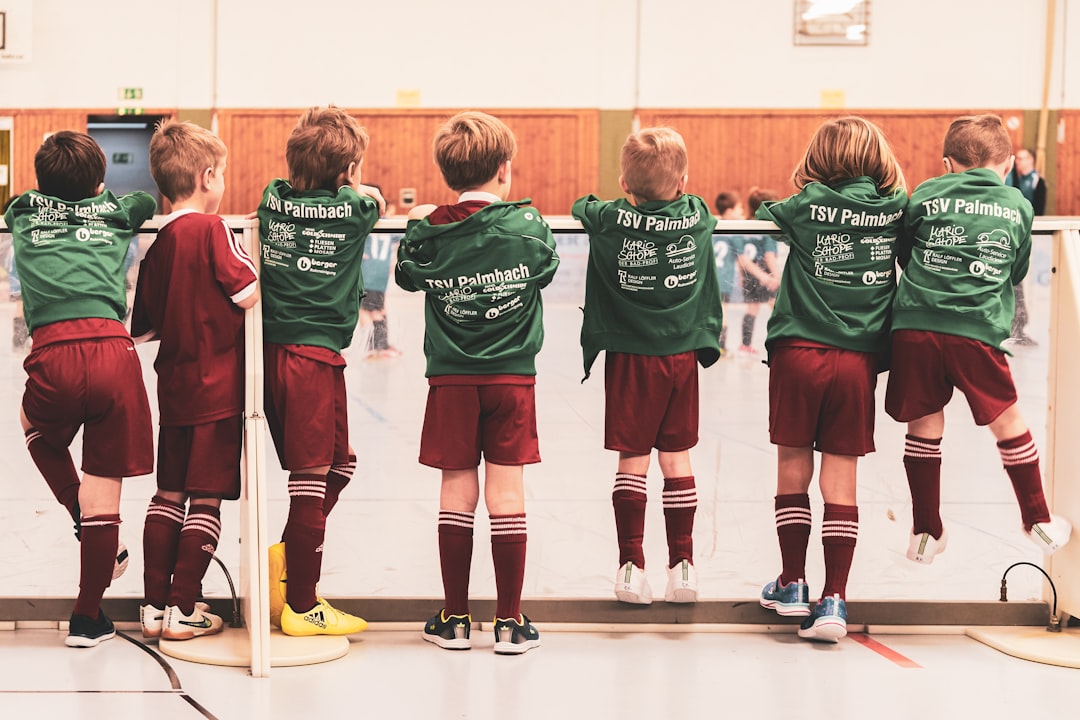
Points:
[(1031, 184)]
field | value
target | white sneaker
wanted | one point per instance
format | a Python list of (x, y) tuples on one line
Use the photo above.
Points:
[(681, 583), (631, 585), (152, 619), (922, 547), (1051, 536), (178, 626)]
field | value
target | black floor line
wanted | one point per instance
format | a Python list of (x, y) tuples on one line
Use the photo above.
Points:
[(174, 679)]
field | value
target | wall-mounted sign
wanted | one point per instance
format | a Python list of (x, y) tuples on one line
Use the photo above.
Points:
[(832, 22)]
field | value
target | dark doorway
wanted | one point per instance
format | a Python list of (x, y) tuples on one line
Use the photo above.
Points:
[(125, 139)]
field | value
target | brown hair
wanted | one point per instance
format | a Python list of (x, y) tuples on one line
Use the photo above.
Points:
[(321, 147), (977, 141), (653, 161), (846, 148), (180, 152), (758, 196), (70, 166), (470, 147), (726, 200)]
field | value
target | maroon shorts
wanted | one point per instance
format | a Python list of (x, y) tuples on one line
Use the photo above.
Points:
[(98, 385), (306, 408), (926, 366), (650, 401), (822, 397), (463, 421), (201, 460)]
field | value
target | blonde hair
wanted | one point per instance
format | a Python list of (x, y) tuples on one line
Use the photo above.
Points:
[(653, 161), (846, 148), (977, 141), (180, 152), (470, 147), (325, 141)]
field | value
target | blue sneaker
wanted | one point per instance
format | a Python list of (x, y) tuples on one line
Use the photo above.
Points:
[(450, 632), (788, 600), (828, 622)]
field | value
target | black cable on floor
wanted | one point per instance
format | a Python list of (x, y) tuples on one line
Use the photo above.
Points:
[(174, 679)]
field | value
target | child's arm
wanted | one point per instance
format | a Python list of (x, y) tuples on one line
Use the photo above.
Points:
[(374, 194)]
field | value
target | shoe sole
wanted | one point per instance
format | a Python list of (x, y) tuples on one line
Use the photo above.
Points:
[(786, 609), (190, 634), (509, 648), (825, 631), (78, 641), (629, 596), (682, 595), (455, 644)]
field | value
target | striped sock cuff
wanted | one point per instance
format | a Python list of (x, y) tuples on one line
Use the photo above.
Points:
[(31, 435), (840, 525), (165, 511), (1019, 451), (205, 523), (680, 497), (627, 483), (345, 469), (508, 528), (307, 486), (456, 521), (786, 516), (921, 449), (99, 520)]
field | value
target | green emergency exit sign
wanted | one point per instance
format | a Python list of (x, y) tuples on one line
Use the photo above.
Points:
[(131, 93)]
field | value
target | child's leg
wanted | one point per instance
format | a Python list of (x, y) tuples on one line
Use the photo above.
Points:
[(161, 537), (304, 532), (748, 321), (339, 476), (794, 471), (1021, 460), (629, 500), (458, 498), (840, 526), (55, 465), (99, 498), (198, 541), (922, 463), (680, 505), (504, 494)]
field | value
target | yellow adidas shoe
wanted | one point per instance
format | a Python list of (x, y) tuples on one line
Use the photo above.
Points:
[(323, 619), (275, 555)]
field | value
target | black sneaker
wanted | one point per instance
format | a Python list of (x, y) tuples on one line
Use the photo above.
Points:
[(84, 631), (513, 637), (449, 632)]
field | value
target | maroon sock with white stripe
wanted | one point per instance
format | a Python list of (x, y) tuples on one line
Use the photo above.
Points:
[(97, 556), (305, 530), (161, 537), (792, 514), (455, 558), (922, 463), (839, 533), (336, 480), (58, 470), (198, 541), (1021, 459), (508, 540), (628, 499), (680, 504)]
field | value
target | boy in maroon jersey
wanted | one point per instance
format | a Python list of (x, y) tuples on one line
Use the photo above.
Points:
[(194, 285)]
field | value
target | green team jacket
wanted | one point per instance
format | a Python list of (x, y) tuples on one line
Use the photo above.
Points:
[(70, 255), (482, 278), (966, 242), (651, 285), (312, 247), (839, 280)]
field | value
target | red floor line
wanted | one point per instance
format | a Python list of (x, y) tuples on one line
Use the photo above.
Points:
[(883, 650)]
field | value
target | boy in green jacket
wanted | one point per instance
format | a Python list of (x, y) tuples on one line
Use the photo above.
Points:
[(481, 263), (652, 302), (966, 243)]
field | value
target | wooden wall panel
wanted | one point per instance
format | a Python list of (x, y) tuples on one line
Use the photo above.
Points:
[(556, 160), (29, 128), (1067, 191), (740, 149)]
